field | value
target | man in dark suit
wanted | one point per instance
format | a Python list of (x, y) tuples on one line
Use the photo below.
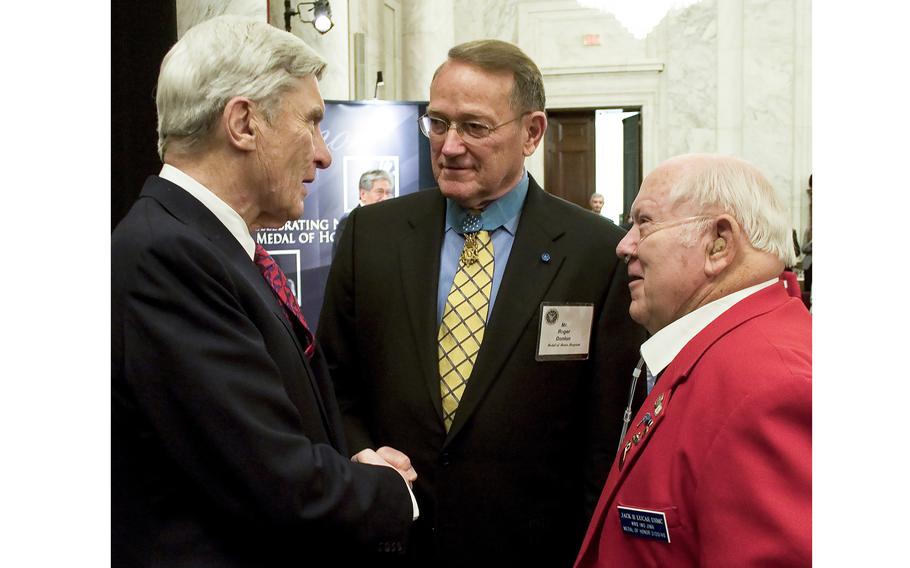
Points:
[(486, 333), (227, 444)]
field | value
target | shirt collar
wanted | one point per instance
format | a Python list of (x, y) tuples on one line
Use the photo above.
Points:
[(232, 220), (665, 345), (503, 212)]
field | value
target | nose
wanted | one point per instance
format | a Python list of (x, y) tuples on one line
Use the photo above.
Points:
[(322, 158), (452, 144), (628, 246)]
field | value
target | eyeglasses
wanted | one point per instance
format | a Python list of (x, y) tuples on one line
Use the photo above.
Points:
[(434, 127), (652, 227), (380, 191), (655, 226)]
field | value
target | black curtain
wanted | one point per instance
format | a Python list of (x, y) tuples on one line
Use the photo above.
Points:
[(141, 34)]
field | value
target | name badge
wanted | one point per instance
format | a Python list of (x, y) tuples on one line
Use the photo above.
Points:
[(644, 524), (564, 332)]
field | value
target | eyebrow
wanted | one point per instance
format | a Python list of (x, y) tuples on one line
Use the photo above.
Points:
[(466, 117)]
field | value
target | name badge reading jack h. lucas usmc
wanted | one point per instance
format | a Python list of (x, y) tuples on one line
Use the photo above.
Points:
[(565, 331), (643, 523)]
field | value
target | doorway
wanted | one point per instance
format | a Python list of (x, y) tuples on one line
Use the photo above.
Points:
[(594, 150)]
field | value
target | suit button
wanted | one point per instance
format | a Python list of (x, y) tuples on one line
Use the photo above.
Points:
[(445, 460)]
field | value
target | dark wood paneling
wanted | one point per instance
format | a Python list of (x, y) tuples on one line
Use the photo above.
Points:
[(569, 166)]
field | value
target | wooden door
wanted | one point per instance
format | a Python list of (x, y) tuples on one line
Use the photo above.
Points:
[(569, 163)]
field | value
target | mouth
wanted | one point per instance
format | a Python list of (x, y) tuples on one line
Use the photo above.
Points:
[(454, 168), (634, 279)]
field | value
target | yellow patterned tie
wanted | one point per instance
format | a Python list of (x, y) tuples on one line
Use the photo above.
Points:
[(463, 320)]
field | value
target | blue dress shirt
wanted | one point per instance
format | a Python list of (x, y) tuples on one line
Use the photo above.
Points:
[(500, 218)]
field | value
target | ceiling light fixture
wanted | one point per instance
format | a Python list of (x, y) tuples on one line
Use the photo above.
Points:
[(638, 17)]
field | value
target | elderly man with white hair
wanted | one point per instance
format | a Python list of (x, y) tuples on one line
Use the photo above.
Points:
[(715, 469), (226, 441)]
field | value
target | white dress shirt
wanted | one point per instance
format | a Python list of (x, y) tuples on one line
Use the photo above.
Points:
[(662, 347), (232, 220)]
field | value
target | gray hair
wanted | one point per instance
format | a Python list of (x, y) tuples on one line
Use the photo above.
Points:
[(738, 188), (498, 56), (216, 60), (367, 179)]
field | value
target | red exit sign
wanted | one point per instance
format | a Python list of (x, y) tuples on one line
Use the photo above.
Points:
[(591, 39)]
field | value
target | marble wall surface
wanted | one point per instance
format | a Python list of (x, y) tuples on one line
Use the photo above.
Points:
[(427, 34), (191, 12)]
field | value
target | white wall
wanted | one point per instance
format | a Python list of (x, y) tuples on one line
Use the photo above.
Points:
[(608, 133)]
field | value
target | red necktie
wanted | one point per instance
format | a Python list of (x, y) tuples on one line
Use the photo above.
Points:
[(279, 283)]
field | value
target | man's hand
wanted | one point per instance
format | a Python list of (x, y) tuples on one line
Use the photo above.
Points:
[(389, 457)]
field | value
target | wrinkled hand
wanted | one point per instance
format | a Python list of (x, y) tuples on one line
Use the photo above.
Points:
[(388, 457), (399, 461)]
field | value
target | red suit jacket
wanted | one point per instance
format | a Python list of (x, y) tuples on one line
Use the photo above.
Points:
[(728, 454)]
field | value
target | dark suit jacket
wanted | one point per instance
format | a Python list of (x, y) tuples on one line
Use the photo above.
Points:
[(728, 456), (226, 441), (531, 440), (339, 229)]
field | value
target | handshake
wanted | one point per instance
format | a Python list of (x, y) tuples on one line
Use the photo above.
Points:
[(389, 457)]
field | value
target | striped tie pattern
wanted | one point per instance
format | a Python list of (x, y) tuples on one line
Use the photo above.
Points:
[(463, 320), (279, 284)]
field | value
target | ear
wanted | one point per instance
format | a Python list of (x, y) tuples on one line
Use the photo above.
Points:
[(535, 125), (239, 123), (723, 245)]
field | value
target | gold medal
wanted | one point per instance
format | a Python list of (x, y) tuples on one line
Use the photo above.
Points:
[(471, 249)]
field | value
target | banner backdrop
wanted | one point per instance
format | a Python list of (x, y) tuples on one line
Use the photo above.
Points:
[(361, 136)]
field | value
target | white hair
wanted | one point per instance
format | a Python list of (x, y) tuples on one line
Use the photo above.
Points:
[(738, 188), (221, 58), (369, 177)]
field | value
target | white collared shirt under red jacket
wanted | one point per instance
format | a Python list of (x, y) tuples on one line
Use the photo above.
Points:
[(727, 457)]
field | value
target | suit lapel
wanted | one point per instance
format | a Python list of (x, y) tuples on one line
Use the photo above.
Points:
[(419, 258), (656, 408), (518, 299), (185, 207)]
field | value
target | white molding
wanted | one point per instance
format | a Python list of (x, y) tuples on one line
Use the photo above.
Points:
[(643, 67), (395, 6)]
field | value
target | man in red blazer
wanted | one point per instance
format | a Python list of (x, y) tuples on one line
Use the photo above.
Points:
[(715, 468)]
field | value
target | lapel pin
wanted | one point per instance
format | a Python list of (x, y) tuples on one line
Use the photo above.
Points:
[(545, 257), (625, 450), (659, 404)]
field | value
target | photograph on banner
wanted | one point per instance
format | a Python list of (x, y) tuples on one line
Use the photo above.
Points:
[(356, 166), (361, 136)]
